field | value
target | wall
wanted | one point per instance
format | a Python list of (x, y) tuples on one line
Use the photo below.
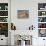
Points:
[(23, 24), (32, 6)]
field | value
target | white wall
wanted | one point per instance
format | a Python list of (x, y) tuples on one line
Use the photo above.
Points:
[(23, 24), (32, 6)]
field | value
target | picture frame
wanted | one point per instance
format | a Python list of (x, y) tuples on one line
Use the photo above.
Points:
[(42, 33), (22, 14)]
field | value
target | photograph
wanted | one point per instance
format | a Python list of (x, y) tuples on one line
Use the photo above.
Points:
[(3, 6), (41, 25), (4, 29), (42, 33), (41, 19), (3, 13), (41, 13), (21, 14), (41, 6), (3, 19)]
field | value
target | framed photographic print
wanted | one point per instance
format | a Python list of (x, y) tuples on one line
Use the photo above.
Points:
[(41, 6), (3, 19), (21, 14), (41, 19), (41, 25), (4, 29), (42, 32), (3, 13)]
